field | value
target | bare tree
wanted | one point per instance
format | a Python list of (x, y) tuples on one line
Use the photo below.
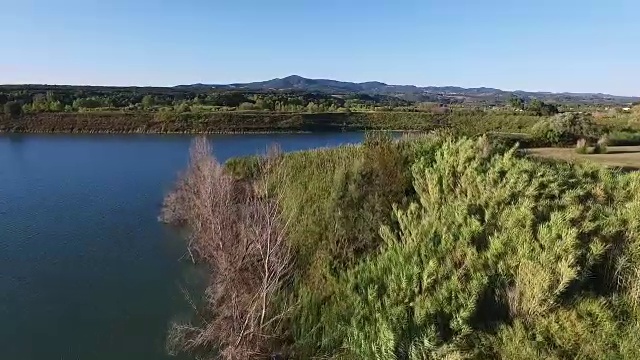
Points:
[(238, 230)]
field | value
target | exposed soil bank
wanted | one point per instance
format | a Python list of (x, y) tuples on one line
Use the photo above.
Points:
[(249, 122), (121, 122)]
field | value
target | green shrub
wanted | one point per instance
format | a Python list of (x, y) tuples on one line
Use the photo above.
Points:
[(499, 257), (601, 145), (582, 146), (433, 247), (337, 199), (13, 109), (247, 106), (565, 128), (623, 138), (541, 108), (363, 195), (166, 115), (244, 167)]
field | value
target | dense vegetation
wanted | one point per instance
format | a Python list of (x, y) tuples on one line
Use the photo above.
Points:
[(303, 97), (432, 247), (42, 108), (470, 122), (42, 98), (529, 129)]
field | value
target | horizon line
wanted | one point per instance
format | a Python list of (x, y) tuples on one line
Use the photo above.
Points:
[(318, 78)]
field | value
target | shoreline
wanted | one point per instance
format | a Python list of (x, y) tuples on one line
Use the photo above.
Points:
[(389, 205), (266, 132), (260, 123)]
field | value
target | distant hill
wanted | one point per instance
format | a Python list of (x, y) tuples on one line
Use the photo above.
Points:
[(415, 93)]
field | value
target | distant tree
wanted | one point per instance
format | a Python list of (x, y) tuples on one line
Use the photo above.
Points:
[(246, 106), (56, 106), (565, 128), (51, 96), (39, 103), (111, 102), (183, 107), (197, 100), (535, 105), (13, 109), (88, 103), (148, 101), (549, 109), (516, 102), (542, 109), (264, 105), (312, 107)]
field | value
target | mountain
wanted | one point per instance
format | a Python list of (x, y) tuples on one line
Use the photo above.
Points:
[(412, 92), (295, 82)]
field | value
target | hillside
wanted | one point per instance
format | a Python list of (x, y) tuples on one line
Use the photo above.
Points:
[(415, 93)]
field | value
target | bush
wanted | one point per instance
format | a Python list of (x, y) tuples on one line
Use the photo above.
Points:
[(166, 115), (623, 138), (433, 247), (541, 108), (13, 109), (148, 101), (183, 108), (247, 106), (601, 145), (582, 147), (239, 233), (565, 128), (499, 257), (246, 168), (363, 195), (87, 103)]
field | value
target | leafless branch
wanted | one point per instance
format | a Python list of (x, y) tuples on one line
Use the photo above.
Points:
[(239, 231)]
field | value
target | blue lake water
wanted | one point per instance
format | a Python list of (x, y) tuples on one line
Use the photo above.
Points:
[(86, 271)]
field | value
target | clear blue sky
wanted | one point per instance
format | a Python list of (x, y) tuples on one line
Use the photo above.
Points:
[(561, 45)]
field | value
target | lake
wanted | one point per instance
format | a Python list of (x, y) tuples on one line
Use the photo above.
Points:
[(86, 270)]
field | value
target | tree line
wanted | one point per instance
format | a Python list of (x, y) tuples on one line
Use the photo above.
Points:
[(534, 106), (30, 99), (19, 99)]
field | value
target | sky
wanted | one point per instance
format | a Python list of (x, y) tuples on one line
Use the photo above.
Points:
[(535, 45)]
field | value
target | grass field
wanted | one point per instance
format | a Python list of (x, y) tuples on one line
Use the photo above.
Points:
[(627, 157)]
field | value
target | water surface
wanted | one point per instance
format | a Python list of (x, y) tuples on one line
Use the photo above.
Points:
[(86, 271)]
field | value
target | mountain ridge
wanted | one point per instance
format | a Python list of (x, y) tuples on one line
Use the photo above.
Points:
[(413, 92)]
